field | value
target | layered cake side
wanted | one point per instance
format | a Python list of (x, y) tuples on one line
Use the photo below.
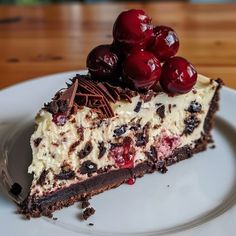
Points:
[(86, 153)]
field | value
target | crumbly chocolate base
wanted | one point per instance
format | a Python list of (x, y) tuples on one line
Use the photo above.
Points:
[(45, 205)]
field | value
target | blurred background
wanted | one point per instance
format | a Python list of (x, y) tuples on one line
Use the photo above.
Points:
[(97, 1)]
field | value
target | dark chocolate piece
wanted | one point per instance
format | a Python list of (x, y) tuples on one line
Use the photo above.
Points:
[(42, 178), (138, 107), (191, 122), (152, 154), (88, 167), (87, 149), (161, 111), (142, 136), (85, 204), (66, 173), (102, 150), (88, 212), (37, 141), (194, 107), (15, 189), (119, 131)]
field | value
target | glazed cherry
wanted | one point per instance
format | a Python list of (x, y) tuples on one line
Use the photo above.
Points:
[(132, 29), (131, 181), (102, 63), (178, 76), (141, 70), (165, 43)]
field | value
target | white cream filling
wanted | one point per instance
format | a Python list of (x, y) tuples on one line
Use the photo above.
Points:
[(53, 150)]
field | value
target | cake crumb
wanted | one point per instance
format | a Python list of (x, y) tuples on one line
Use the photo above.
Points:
[(212, 146), (91, 224), (88, 212), (54, 218), (85, 204), (15, 189), (168, 185)]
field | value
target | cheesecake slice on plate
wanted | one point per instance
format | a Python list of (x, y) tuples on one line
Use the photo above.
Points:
[(139, 109)]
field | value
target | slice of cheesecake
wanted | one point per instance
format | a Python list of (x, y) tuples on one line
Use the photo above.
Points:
[(94, 136)]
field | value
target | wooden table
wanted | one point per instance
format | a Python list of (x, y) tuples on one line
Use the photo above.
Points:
[(40, 40)]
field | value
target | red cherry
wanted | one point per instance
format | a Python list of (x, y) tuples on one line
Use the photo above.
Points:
[(130, 181), (102, 63), (165, 44), (132, 29), (141, 70), (178, 76)]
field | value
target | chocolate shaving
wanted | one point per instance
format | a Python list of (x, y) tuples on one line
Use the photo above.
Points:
[(69, 95)]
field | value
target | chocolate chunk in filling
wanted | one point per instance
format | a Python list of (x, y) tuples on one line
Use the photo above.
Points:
[(138, 106), (87, 149), (191, 122), (37, 141), (88, 167), (102, 149), (152, 154), (161, 111), (119, 131), (194, 107), (142, 136), (66, 173)]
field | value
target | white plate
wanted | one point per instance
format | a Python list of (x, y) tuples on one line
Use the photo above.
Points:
[(195, 197)]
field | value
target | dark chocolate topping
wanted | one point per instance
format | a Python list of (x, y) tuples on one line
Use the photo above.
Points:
[(90, 93)]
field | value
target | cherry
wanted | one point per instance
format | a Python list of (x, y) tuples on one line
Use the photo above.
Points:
[(165, 44), (102, 63), (178, 76), (130, 181), (141, 70), (132, 29)]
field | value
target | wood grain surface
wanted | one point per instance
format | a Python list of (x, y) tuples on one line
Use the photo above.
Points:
[(40, 40)]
